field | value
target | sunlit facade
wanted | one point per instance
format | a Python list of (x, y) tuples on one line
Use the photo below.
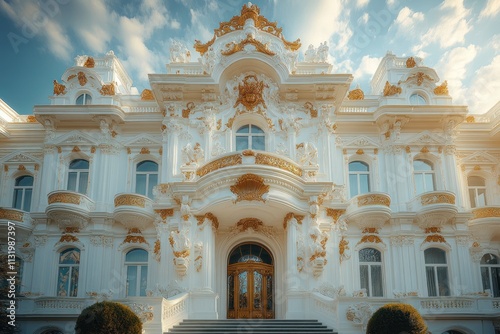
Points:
[(253, 183)]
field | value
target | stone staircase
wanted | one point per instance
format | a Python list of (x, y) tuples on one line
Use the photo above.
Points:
[(239, 326)]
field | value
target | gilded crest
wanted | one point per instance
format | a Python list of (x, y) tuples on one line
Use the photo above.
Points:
[(250, 187), (356, 94), (82, 79), (250, 93)]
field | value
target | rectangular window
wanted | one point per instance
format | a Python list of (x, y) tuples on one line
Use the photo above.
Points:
[(72, 181), (365, 280), (140, 184), (353, 184), (431, 282), (377, 290), (131, 280), (442, 274), (364, 183)]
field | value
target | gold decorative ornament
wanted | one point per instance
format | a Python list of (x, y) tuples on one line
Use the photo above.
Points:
[(442, 89), (68, 238), (134, 236), (356, 94), (375, 151), (75, 149), (435, 238), (419, 76), (289, 216), (249, 187), (408, 149), (59, 89), (108, 89), (360, 152), (390, 90), (370, 238), (37, 167), (250, 92), (147, 95), (410, 62), (310, 108), (470, 119), (157, 247), (164, 213), (31, 119), (21, 167), (130, 200), (187, 111), (432, 229), (477, 167), (437, 198), (424, 150), (248, 153), (89, 63), (129, 150), (233, 47), (14, 215), (64, 197), (70, 77), (374, 199), (264, 159), (92, 149), (219, 163), (82, 78), (343, 247), (491, 212), (210, 216), (238, 22), (144, 150), (5, 168), (246, 223), (59, 149)]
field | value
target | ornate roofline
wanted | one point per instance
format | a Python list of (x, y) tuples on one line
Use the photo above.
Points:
[(237, 23)]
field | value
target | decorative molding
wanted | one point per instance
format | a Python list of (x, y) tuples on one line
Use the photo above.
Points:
[(374, 199), (334, 214), (135, 236), (101, 240), (12, 214), (391, 89), (231, 160), (64, 197), (249, 187), (210, 217), (328, 290), (402, 240), (264, 159), (359, 314), (437, 198), (344, 250), (130, 200), (289, 216), (487, 212)]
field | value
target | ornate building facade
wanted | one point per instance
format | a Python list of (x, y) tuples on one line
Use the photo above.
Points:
[(249, 184)]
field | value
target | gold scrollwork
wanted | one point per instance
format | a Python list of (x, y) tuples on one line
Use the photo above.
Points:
[(374, 199), (391, 89), (164, 213), (437, 198), (108, 89), (89, 63), (11, 215), (63, 197), (219, 163), (486, 213), (291, 215), (249, 187), (334, 213), (236, 47), (210, 216), (147, 95), (264, 159), (246, 223), (410, 62), (442, 89), (82, 78), (130, 200), (59, 89), (250, 92), (356, 94)]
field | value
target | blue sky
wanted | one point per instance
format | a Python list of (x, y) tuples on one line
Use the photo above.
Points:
[(40, 38)]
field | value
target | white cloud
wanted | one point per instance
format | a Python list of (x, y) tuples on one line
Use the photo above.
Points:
[(451, 28), (453, 68), (407, 19), (484, 90), (492, 8), (363, 19), (366, 68), (495, 42), (362, 3)]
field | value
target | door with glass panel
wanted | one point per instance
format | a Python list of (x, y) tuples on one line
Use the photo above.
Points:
[(250, 283)]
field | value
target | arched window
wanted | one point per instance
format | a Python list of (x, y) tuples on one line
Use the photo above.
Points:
[(477, 191), (146, 177), (83, 99), (370, 272), (250, 137), (250, 253), (78, 176), (436, 271), (417, 100), (69, 265), (423, 174), (490, 274), (136, 265), (359, 178), (23, 188)]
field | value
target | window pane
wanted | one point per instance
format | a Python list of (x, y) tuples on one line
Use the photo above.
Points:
[(72, 181), (421, 165), (370, 255), (431, 281), (435, 256), (137, 255), (79, 164), (358, 166), (241, 143), (18, 199), (364, 279), (144, 280), (256, 129), (444, 288), (27, 200), (489, 259), (353, 184), (140, 184), (24, 181), (63, 282), (243, 129), (74, 282), (153, 181), (70, 256), (377, 290), (364, 183), (495, 278), (429, 182), (79, 99), (131, 280), (481, 197), (147, 166), (485, 278), (472, 197), (419, 183), (82, 183), (258, 143)]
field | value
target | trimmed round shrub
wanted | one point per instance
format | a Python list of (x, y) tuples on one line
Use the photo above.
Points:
[(396, 318), (109, 318)]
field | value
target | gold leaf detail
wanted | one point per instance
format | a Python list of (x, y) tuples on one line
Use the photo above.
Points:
[(436, 198), (108, 89), (374, 199), (219, 163), (130, 200), (391, 89), (250, 93), (410, 62), (59, 89), (236, 47), (442, 89), (356, 94), (89, 63), (249, 187), (11, 215), (264, 159), (63, 197), (147, 95)]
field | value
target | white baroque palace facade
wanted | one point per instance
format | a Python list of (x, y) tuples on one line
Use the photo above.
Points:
[(248, 184)]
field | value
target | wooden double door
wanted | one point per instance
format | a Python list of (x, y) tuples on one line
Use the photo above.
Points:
[(250, 291)]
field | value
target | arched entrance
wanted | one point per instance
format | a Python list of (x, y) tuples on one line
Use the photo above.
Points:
[(250, 279)]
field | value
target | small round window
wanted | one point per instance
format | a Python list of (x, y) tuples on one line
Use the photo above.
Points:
[(84, 99), (417, 100)]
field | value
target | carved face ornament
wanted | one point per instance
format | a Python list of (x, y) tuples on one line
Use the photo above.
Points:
[(250, 93)]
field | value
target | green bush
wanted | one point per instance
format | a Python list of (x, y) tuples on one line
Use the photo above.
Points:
[(109, 318), (395, 319)]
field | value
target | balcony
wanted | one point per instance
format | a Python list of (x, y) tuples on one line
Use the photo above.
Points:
[(371, 210), (133, 210), (485, 222), (69, 208), (433, 208), (18, 218)]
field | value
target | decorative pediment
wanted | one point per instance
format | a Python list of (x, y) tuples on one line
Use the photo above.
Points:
[(426, 138), (142, 140), (361, 141), (75, 138), (479, 157), (421, 76), (82, 77), (19, 157)]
